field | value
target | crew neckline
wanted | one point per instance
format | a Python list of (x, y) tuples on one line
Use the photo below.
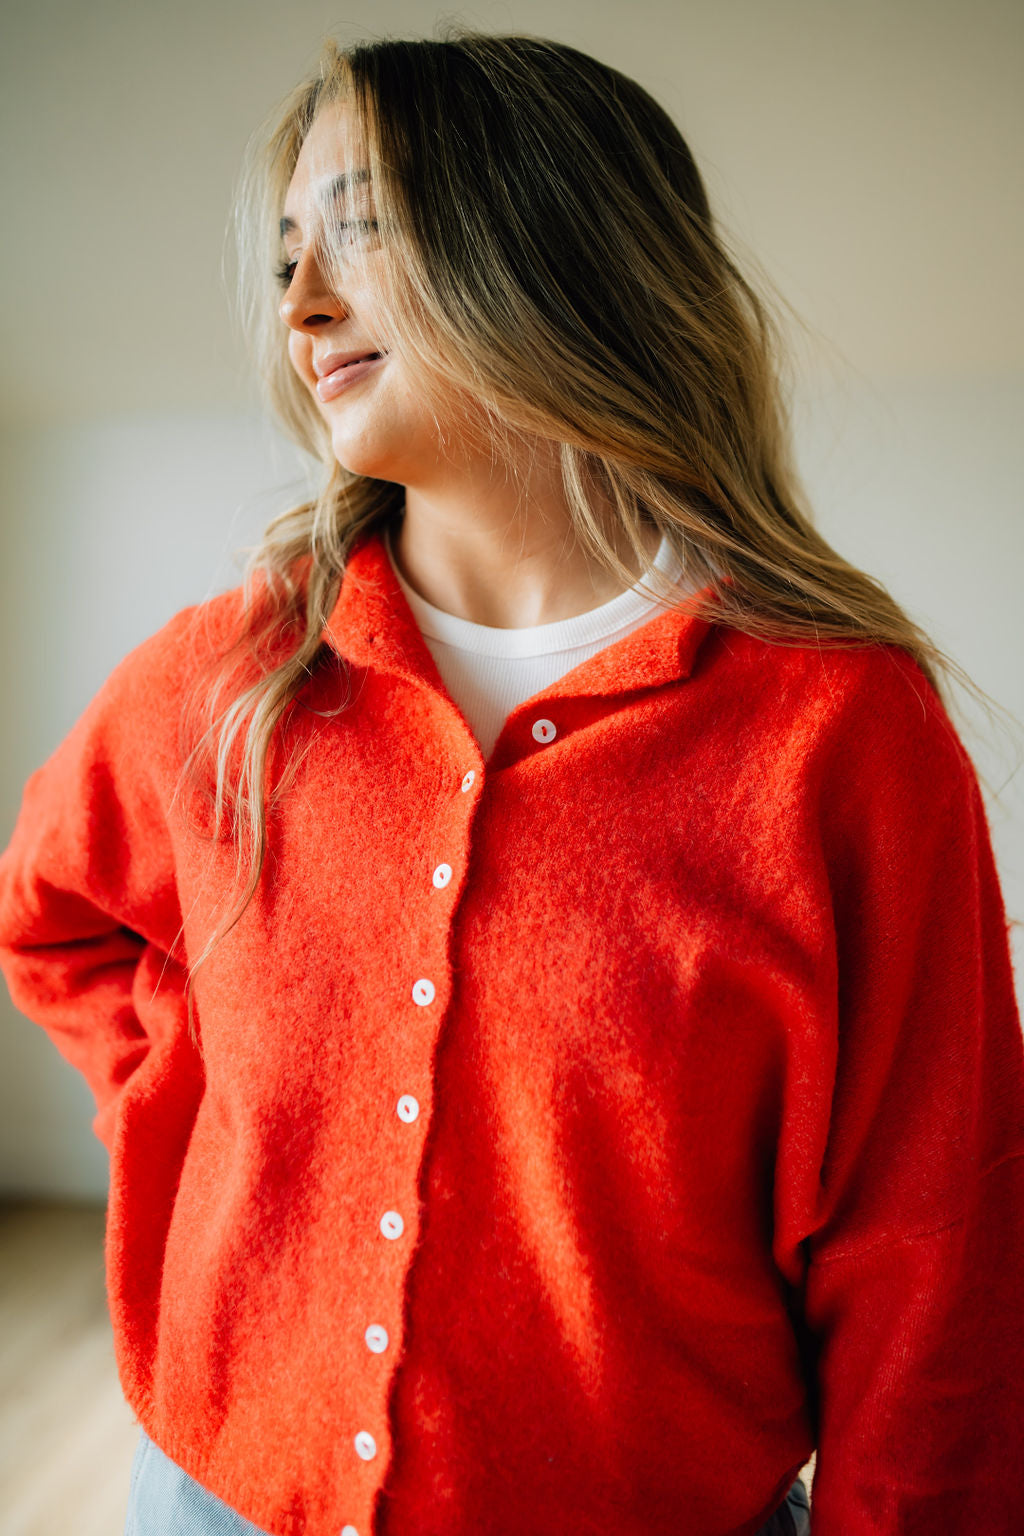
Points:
[(619, 613)]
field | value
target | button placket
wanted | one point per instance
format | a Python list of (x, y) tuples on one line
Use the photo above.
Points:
[(392, 1225)]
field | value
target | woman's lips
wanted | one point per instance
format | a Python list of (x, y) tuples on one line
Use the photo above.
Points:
[(334, 384)]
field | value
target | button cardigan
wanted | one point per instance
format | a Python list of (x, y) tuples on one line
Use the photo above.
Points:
[(677, 1134)]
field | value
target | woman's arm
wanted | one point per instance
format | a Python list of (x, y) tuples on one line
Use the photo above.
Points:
[(89, 913), (916, 1264)]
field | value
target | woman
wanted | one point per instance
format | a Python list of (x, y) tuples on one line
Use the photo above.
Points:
[(536, 946)]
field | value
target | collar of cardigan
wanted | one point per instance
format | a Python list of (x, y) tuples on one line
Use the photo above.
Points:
[(372, 625)]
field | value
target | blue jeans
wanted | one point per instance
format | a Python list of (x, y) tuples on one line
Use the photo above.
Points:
[(164, 1501)]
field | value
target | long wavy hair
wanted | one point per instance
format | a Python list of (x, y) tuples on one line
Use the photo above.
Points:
[(548, 251)]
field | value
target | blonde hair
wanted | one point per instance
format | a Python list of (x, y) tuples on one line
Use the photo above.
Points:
[(547, 250)]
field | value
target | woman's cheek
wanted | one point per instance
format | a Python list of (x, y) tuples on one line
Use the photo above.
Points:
[(300, 354)]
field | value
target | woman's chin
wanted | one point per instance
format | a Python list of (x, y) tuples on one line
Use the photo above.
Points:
[(361, 455)]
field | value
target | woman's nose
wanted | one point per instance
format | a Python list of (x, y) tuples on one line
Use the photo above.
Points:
[(309, 302)]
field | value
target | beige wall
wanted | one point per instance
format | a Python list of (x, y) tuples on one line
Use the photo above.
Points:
[(865, 154)]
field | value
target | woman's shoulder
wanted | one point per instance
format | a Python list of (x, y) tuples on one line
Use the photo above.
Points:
[(889, 711), (853, 704)]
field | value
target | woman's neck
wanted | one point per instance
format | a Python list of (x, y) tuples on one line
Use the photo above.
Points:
[(503, 554)]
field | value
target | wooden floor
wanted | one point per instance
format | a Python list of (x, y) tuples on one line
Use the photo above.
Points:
[(67, 1436)]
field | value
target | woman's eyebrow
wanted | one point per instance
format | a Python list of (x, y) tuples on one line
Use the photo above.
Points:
[(333, 189)]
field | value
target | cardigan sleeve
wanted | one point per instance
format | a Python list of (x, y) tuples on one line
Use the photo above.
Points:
[(88, 906), (916, 1257)]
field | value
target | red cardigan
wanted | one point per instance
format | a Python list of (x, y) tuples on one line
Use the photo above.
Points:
[(577, 1139)]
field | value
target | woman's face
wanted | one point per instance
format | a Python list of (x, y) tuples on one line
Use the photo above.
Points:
[(379, 427)]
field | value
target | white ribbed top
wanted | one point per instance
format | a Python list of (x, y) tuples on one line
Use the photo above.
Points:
[(488, 671)]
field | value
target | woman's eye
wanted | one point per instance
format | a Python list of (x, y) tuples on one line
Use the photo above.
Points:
[(350, 228), (344, 231), (347, 230)]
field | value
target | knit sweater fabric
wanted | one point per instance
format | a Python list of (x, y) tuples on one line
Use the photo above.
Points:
[(565, 1126)]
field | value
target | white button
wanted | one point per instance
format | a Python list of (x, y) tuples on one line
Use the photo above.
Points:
[(423, 992), (543, 730), (468, 780), (376, 1338), (442, 875), (349, 1530), (366, 1445), (408, 1108), (391, 1224)]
